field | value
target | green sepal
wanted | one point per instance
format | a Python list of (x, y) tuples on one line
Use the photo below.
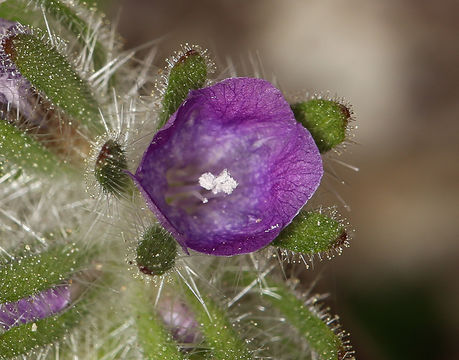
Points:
[(326, 120), (156, 252), (18, 148), (220, 336), (312, 232), (23, 338), (29, 274), (156, 341), (110, 167), (187, 73), (50, 73)]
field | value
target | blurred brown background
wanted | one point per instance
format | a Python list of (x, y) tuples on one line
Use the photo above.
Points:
[(397, 63)]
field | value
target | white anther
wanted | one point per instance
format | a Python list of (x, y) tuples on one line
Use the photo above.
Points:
[(221, 183)]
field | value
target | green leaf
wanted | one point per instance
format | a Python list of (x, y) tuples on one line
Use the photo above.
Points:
[(156, 341), (219, 334), (18, 148), (49, 72), (187, 73), (29, 274), (23, 338), (326, 120), (312, 232)]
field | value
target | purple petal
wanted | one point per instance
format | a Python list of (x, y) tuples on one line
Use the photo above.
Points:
[(243, 126), (39, 306)]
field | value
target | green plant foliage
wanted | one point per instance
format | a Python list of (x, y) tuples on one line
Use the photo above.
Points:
[(26, 337), (29, 274)]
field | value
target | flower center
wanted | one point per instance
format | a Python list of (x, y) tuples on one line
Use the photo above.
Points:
[(221, 183), (188, 194)]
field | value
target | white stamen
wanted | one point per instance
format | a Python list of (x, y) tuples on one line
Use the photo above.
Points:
[(34, 327), (221, 183)]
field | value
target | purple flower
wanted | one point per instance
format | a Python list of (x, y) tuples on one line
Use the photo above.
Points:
[(230, 169), (36, 307)]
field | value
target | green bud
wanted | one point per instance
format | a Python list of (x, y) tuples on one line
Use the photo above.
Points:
[(50, 73), (109, 169), (156, 252), (188, 72), (311, 233), (326, 120)]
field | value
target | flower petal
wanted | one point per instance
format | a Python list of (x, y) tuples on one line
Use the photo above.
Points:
[(243, 126), (39, 306)]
